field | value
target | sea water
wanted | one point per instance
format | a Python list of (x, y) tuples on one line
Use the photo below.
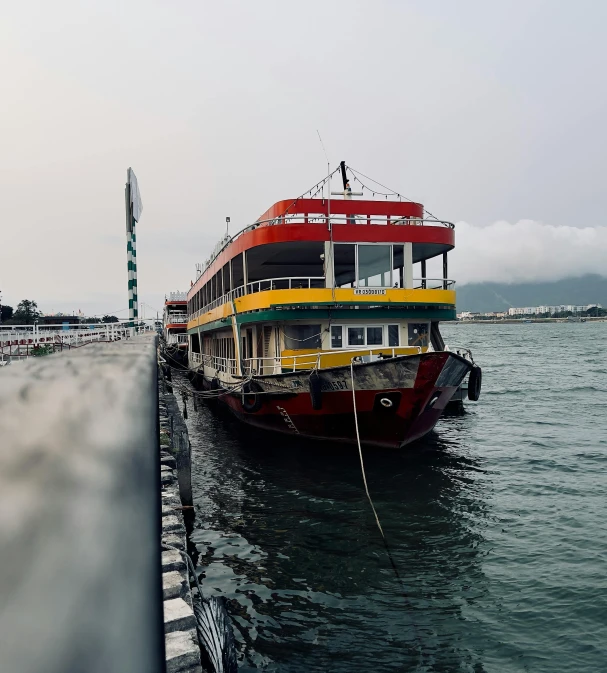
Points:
[(497, 525)]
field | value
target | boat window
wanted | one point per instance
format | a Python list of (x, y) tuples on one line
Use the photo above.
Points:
[(356, 336), (374, 336), (237, 271), (337, 336), (226, 278), (345, 264), (374, 266), (296, 260), (393, 335), (302, 336), (398, 268), (418, 334)]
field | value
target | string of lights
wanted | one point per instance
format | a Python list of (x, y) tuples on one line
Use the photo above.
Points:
[(319, 186), (358, 175)]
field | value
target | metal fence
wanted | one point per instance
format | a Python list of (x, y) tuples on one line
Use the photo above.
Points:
[(19, 341)]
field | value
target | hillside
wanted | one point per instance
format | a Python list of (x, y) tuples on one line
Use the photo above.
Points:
[(483, 297)]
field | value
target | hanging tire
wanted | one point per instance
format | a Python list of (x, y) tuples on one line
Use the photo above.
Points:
[(315, 391), (250, 399), (474, 383)]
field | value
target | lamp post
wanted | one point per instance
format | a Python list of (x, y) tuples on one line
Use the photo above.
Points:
[(227, 226)]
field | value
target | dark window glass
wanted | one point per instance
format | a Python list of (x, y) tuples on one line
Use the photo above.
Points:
[(302, 336), (356, 336), (344, 264), (336, 336), (374, 265), (237, 271), (374, 336), (398, 273), (418, 334), (393, 335)]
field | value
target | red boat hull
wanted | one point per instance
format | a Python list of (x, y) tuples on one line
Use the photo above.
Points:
[(398, 400)]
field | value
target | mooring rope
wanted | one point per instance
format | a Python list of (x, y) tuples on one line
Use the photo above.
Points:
[(362, 467), (360, 453)]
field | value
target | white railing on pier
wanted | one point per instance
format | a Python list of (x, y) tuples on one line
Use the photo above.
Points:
[(433, 284), (19, 341)]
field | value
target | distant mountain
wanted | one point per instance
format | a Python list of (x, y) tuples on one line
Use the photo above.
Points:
[(484, 297)]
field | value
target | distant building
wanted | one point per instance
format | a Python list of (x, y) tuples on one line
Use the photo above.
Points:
[(551, 310)]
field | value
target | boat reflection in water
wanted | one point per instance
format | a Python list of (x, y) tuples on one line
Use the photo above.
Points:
[(285, 533)]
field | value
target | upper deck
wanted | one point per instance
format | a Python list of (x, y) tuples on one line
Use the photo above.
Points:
[(175, 310), (362, 246)]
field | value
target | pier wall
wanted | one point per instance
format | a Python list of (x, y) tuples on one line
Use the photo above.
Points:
[(86, 503)]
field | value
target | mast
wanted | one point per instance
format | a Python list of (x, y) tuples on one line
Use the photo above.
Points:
[(344, 179)]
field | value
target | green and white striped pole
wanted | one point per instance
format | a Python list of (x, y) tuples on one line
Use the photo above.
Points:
[(133, 213)]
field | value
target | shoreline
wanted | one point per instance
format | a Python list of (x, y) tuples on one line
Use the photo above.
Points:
[(514, 321)]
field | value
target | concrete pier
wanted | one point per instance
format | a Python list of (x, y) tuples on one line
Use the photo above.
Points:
[(181, 640), (86, 500)]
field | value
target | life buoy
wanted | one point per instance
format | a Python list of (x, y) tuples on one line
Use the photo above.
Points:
[(250, 400), (474, 383), (315, 390)]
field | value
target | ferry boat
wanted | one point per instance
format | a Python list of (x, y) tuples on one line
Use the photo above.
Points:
[(175, 324), (311, 321)]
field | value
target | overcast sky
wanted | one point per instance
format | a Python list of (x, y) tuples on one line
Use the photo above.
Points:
[(493, 114)]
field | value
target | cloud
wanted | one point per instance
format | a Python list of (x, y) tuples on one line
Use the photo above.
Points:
[(526, 251)]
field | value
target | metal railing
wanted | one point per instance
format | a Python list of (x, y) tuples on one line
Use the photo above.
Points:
[(176, 317), (176, 296), (277, 365), (261, 286), (433, 284), (306, 284), (177, 338), (22, 341), (382, 220)]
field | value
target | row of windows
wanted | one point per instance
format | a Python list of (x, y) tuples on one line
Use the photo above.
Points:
[(364, 335), (348, 336)]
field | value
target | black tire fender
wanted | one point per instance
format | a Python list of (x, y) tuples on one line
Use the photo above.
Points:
[(474, 383), (316, 390), (250, 400)]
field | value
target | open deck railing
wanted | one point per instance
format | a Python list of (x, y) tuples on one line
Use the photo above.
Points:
[(176, 317), (306, 284), (177, 338), (321, 218), (176, 296), (261, 286), (277, 365)]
